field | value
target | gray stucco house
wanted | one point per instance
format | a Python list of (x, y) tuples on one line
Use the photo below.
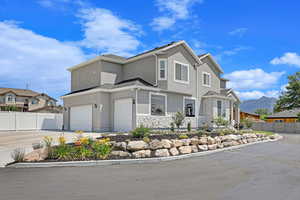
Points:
[(113, 93)]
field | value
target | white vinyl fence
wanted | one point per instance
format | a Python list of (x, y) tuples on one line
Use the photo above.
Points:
[(19, 121)]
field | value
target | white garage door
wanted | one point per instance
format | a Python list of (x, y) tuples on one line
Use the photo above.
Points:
[(81, 118), (123, 115)]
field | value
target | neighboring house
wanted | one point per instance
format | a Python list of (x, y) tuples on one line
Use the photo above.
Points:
[(287, 116), (112, 93), (24, 100), (253, 116)]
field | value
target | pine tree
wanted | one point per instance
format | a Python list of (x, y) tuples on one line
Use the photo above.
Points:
[(290, 99)]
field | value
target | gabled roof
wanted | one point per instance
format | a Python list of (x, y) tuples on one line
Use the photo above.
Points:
[(18, 92), (286, 114), (122, 60), (229, 91), (207, 55)]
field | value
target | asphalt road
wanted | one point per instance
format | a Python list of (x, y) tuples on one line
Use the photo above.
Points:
[(262, 171)]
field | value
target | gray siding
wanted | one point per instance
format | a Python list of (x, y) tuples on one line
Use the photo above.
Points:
[(144, 68), (111, 73)]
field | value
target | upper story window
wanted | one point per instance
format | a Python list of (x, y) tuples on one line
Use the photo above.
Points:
[(158, 104), (34, 101), (10, 98), (219, 106), (181, 72), (162, 69), (206, 79), (189, 107)]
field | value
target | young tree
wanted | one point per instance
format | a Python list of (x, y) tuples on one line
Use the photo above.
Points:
[(290, 99), (298, 117), (178, 119), (262, 112)]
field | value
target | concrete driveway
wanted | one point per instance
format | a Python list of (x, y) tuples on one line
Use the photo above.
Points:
[(269, 171), (24, 139)]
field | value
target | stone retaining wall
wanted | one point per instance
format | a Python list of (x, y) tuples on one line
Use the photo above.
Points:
[(162, 121), (165, 147)]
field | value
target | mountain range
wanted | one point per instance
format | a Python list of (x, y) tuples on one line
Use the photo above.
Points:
[(251, 106)]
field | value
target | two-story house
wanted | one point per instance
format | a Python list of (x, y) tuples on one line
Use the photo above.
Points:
[(24, 100), (113, 93)]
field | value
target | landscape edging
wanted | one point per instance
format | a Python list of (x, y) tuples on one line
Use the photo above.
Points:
[(127, 161)]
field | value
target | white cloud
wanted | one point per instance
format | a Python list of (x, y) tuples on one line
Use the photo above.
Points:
[(173, 10), (238, 32), (27, 57), (231, 52), (107, 33), (255, 94), (288, 58), (46, 3), (252, 79)]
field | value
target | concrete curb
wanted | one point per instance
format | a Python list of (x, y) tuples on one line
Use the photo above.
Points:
[(127, 161)]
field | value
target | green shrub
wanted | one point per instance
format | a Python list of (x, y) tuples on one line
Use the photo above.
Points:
[(247, 122), (223, 132), (178, 119), (18, 155), (202, 133), (183, 136), (63, 152), (189, 127), (101, 149), (146, 139), (83, 152), (140, 132), (172, 127), (220, 121)]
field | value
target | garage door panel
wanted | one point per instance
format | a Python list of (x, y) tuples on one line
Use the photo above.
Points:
[(81, 118), (123, 115)]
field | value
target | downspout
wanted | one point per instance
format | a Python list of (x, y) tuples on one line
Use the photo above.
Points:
[(156, 59)]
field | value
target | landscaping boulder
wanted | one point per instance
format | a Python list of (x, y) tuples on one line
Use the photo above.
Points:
[(185, 149), (203, 140), (275, 137), (244, 141), (120, 146), (235, 143), (212, 147), (227, 144), (137, 145), (121, 154), (186, 142), (194, 141), (177, 143), (174, 151), (167, 144), (162, 153), (36, 155), (142, 154), (218, 140), (220, 145), (155, 144), (203, 147), (250, 140), (194, 148), (211, 141)]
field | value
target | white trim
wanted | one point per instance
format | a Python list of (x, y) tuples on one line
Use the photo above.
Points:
[(166, 102), (209, 75), (188, 72), (193, 98), (110, 90), (165, 71)]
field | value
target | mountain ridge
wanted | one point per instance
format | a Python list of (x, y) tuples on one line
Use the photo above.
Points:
[(252, 105)]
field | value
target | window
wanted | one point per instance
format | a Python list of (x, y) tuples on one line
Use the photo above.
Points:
[(189, 107), (162, 69), (181, 72), (158, 104), (34, 101), (219, 106), (206, 79), (10, 98)]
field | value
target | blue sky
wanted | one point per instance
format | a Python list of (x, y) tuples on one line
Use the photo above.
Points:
[(257, 44)]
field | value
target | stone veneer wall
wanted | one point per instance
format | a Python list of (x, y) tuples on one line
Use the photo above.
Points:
[(162, 121)]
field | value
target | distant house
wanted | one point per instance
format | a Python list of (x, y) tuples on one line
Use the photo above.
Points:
[(287, 116), (24, 100), (244, 115)]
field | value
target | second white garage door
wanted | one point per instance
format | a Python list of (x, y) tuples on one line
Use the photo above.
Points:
[(81, 118), (123, 115)]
